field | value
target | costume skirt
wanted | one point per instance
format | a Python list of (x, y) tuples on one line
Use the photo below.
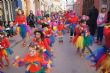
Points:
[(80, 42), (41, 71), (88, 40), (54, 28)]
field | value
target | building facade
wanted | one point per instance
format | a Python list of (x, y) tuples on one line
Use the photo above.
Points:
[(83, 6), (8, 9)]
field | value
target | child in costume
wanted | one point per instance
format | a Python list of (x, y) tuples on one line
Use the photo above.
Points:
[(33, 61), (73, 21), (54, 25), (43, 44), (48, 32), (4, 48), (21, 22), (78, 39), (60, 28), (102, 55), (87, 37), (82, 37)]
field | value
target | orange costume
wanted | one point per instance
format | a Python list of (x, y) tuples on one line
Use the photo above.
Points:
[(34, 63)]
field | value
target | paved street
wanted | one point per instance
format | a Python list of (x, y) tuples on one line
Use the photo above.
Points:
[(65, 58)]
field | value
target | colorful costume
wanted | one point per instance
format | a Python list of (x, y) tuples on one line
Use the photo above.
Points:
[(34, 64), (87, 37), (60, 28), (73, 20), (78, 39), (44, 46), (107, 36), (5, 50), (22, 26), (102, 58), (49, 34)]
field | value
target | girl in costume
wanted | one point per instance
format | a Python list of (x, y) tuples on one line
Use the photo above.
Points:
[(102, 55), (48, 32), (4, 48), (105, 64), (78, 39), (73, 20), (54, 25), (33, 61), (82, 37), (86, 34), (43, 44), (20, 21), (60, 28)]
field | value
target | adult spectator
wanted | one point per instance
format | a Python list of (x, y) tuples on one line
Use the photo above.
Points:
[(31, 19), (101, 20), (92, 22)]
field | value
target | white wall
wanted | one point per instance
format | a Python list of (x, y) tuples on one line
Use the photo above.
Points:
[(70, 4)]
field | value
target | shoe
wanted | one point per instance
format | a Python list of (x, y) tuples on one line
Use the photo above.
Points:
[(24, 44)]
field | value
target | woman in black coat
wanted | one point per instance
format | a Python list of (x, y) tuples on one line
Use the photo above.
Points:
[(92, 22)]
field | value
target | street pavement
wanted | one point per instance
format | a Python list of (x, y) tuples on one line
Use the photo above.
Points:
[(65, 58)]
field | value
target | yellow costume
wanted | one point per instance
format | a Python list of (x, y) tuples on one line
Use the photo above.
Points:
[(54, 28), (80, 42), (105, 65)]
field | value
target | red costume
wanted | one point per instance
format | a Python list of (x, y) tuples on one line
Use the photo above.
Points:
[(5, 43), (32, 62), (20, 19), (107, 36), (60, 27), (73, 19), (44, 44), (3, 53)]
